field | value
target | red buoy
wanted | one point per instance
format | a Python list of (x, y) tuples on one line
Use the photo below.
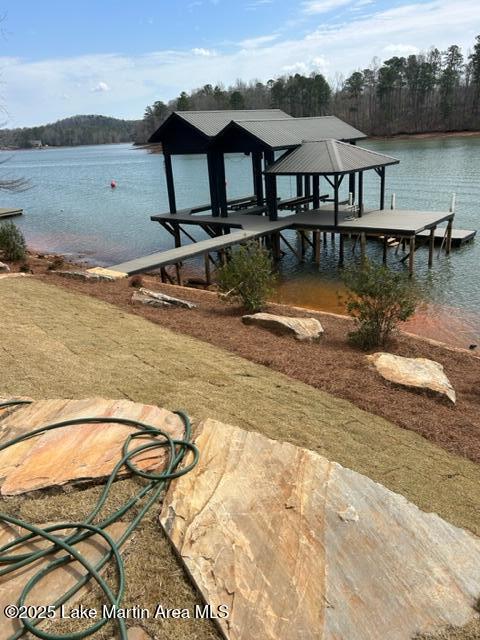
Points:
[(113, 184)]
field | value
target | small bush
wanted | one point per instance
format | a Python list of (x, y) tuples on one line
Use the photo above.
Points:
[(12, 242), (25, 268), (56, 264), (247, 277), (378, 300), (136, 281)]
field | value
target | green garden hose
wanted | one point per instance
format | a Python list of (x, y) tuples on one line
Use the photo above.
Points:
[(85, 529)]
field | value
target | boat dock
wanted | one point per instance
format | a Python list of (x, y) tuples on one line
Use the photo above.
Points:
[(459, 236), (10, 213)]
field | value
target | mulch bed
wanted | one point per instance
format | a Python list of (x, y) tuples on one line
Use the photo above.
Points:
[(331, 365)]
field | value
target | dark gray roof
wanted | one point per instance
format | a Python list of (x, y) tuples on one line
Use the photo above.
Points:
[(328, 157), (212, 122), (280, 134)]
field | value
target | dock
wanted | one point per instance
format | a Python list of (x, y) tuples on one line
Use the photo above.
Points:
[(241, 227), (10, 213), (459, 236)]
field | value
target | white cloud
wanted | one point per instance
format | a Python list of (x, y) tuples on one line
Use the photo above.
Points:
[(32, 91), (206, 53), (323, 6), (313, 64), (253, 43), (101, 87), (401, 49)]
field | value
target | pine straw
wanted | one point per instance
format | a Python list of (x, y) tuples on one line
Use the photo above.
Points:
[(58, 344)]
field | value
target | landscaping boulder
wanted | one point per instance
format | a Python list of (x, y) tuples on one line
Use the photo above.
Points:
[(301, 328), (85, 276), (419, 373), (4, 268), (163, 297)]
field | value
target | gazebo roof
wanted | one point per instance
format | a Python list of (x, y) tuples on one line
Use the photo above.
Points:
[(328, 157)]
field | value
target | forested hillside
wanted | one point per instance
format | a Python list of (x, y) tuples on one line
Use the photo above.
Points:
[(72, 131), (428, 92)]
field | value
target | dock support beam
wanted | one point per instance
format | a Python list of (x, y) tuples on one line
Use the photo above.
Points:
[(381, 173), (351, 185), (271, 187), (448, 248), (212, 172), (316, 191), (341, 250), (385, 247), (360, 194), (170, 184), (257, 176), (431, 245), (336, 185), (411, 255)]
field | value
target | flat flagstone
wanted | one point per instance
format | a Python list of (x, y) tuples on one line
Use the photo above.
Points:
[(77, 452), (299, 547), (176, 302), (419, 373), (56, 583), (90, 275), (301, 328)]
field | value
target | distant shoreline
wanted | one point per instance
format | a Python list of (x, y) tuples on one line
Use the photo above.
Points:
[(427, 135)]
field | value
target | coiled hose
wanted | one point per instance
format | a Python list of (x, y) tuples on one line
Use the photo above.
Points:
[(85, 529)]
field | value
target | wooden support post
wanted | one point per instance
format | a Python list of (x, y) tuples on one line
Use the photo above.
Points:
[(411, 255), (299, 187), (363, 246), (316, 191), (271, 187), (303, 243), (341, 250), (325, 238), (257, 176), (336, 185), (178, 269), (163, 276), (382, 187), (221, 186), (351, 185), (448, 247), (170, 183), (308, 190), (360, 194), (431, 245), (316, 250), (212, 180), (208, 278), (385, 247)]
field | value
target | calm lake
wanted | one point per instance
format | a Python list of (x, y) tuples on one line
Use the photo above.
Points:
[(71, 209)]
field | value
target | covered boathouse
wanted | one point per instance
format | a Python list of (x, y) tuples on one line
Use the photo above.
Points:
[(321, 152)]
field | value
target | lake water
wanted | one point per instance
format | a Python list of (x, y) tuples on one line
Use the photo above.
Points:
[(71, 209)]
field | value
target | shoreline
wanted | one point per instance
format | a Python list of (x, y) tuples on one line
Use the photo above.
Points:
[(426, 135)]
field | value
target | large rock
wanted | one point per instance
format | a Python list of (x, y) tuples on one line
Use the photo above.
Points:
[(86, 276), (4, 268), (77, 452), (55, 583), (419, 373), (156, 299), (301, 328), (301, 548)]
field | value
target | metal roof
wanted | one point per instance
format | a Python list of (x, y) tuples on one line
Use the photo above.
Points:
[(211, 123), (328, 157), (291, 132)]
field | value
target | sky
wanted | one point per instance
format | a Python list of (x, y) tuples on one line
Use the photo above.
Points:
[(115, 57)]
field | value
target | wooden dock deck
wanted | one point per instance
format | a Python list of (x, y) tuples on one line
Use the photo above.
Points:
[(459, 236), (9, 213), (239, 227)]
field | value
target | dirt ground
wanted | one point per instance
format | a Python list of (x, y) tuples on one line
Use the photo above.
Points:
[(331, 365), (56, 343)]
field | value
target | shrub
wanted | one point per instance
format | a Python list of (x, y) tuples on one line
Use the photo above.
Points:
[(378, 299), (25, 267), (247, 277), (56, 264), (12, 242)]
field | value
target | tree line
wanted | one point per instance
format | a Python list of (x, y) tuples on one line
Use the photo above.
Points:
[(77, 130), (434, 91)]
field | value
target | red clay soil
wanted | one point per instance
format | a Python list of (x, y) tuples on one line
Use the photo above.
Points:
[(331, 365)]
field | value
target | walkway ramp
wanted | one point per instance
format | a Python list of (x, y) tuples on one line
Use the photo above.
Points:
[(9, 213)]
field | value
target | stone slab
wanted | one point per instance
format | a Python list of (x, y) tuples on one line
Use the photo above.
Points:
[(301, 328), (301, 548), (86, 276), (55, 583), (419, 373), (110, 273), (79, 452), (176, 302)]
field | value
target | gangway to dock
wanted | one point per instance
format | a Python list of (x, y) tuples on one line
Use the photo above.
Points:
[(9, 212)]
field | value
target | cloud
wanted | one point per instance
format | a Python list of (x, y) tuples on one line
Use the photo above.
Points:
[(401, 49), (32, 90), (101, 87), (253, 43), (323, 6), (206, 53)]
